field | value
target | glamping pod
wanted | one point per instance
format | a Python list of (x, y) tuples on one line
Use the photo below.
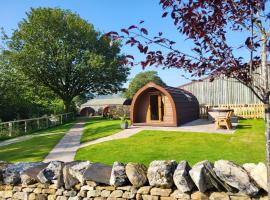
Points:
[(156, 105), (87, 111)]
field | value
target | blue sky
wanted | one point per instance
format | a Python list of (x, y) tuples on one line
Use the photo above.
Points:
[(108, 15)]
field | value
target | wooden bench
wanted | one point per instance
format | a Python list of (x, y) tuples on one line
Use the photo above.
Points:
[(222, 121)]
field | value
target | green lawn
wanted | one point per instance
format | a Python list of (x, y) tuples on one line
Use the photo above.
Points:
[(34, 149), (56, 129), (99, 127), (246, 145), (31, 150)]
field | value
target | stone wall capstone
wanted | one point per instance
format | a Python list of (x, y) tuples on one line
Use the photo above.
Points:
[(162, 180)]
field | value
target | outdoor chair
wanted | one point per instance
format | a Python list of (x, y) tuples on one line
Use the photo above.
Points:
[(224, 121)]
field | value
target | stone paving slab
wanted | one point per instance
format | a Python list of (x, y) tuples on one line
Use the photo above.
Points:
[(66, 149), (120, 135), (199, 125)]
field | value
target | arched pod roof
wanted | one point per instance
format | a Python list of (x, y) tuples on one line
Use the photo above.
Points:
[(185, 105)]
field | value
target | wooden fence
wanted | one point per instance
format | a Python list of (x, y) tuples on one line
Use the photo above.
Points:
[(203, 111), (246, 111), (18, 127)]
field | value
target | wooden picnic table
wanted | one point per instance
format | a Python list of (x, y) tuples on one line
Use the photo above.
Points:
[(214, 113)]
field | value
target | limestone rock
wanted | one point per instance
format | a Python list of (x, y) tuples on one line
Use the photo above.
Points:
[(249, 166), (52, 173), (86, 188), (6, 194), (259, 175), (32, 196), (144, 190), (74, 198), (177, 194), (181, 177), (116, 194), (125, 188), (3, 166), (137, 174), (118, 174), (12, 172), (110, 188), (69, 193), (61, 198), (219, 196), (235, 176), (93, 193), (150, 197), (160, 192), (69, 180), (129, 195), (239, 197), (17, 188), (199, 196), (205, 178), (105, 193), (29, 176), (41, 197), (91, 183), (160, 173), (29, 190), (82, 193), (59, 192), (20, 195), (167, 198), (99, 173), (77, 170)]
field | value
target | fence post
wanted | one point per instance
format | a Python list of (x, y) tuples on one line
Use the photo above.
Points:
[(10, 128), (25, 126), (61, 119), (47, 122), (38, 124)]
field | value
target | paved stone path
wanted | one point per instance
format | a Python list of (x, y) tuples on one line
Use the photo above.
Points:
[(66, 149), (120, 135), (26, 137)]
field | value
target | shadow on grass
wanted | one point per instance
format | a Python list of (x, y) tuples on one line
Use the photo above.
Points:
[(241, 126)]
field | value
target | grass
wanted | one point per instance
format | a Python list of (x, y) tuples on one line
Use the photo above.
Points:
[(247, 144), (99, 127), (34, 149), (31, 150), (56, 129)]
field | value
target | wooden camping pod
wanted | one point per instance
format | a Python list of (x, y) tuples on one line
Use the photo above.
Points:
[(156, 105)]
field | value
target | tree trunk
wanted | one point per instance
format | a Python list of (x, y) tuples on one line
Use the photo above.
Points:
[(267, 134), (265, 76), (265, 70), (67, 106)]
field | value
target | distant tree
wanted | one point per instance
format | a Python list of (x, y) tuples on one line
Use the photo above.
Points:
[(21, 98), (83, 98), (140, 80), (59, 50)]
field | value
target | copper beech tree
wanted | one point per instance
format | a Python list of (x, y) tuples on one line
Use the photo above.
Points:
[(208, 24)]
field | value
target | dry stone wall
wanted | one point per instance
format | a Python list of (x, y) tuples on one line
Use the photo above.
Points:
[(162, 180)]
